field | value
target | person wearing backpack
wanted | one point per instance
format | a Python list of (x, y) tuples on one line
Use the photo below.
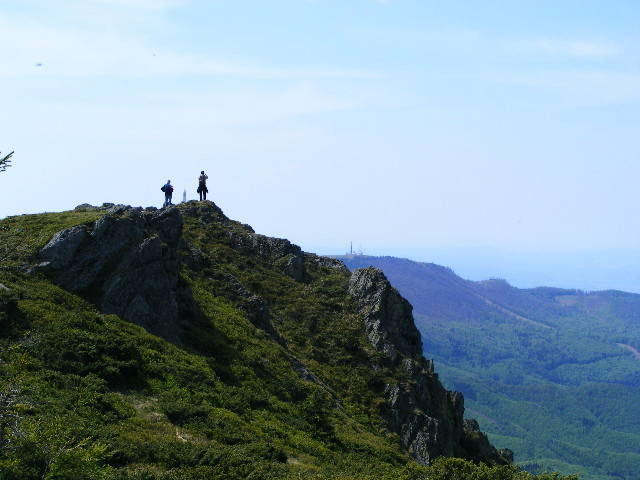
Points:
[(167, 188), (202, 185)]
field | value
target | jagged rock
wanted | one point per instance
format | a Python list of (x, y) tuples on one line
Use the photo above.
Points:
[(327, 262), (86, 207), (127, 263), (207, 212), (143, 287), (59, 251), (287, 256), (269, 247), (387, 315), (471, 425), (169, 223), (118, 209), (413, 367), (283, 254), (76, 257), (410, 366), (507, 454), (477, 447), (428, 418)]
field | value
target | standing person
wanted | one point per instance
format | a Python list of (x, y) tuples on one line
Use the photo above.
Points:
[(202, 185), (167, 188)]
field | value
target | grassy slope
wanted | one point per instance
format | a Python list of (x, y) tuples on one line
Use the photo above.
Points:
[(101, 398), (565, 397)]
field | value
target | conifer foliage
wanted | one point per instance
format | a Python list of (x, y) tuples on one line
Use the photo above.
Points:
[(5, 162)]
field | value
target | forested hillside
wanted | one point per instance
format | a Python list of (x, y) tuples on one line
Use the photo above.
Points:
[(178, 344), (551, 373)]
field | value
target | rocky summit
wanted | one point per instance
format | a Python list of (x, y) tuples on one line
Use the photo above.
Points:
[(177, 343)]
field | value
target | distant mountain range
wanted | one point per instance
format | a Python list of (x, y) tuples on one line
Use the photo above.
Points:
[(554, 374), (589, 270)]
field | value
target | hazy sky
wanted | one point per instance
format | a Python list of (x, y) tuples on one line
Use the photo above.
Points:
[(398, 124)]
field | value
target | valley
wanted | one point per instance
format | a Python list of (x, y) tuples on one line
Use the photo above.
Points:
[(552, 373)]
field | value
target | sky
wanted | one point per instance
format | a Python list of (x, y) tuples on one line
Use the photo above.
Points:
[(506, 130)]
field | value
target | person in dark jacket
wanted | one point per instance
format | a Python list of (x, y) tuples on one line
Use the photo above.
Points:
[(202, 185), (167, 188)]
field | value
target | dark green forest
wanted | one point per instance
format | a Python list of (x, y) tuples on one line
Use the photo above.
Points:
[(547, 372)]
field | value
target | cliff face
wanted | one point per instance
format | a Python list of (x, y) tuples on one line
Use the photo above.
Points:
[(428, 418), (142, 265), (127, 263)]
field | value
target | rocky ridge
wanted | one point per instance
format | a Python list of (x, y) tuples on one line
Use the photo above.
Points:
[(129, 263)]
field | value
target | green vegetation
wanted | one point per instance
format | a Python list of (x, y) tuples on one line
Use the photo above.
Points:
[(21, 237), (5, 162), (540, 369), (90, 396)]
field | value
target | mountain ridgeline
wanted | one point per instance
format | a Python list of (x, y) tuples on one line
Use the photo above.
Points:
[(552, 373), (179, 344)]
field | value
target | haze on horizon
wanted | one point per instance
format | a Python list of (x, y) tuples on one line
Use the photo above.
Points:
[(409, 126)]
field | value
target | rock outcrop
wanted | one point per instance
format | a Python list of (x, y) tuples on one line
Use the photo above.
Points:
[(284, 255), (327, 262), (428, 418), (477, 446), (127, 263), (387, 316)]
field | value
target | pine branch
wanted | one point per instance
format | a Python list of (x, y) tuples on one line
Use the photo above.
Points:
[(5, 162)]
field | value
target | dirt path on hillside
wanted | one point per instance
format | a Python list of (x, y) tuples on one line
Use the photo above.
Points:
[(633, 350), (509, 312)]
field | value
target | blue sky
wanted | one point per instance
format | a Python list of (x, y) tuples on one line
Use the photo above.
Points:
[(403, 125)]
